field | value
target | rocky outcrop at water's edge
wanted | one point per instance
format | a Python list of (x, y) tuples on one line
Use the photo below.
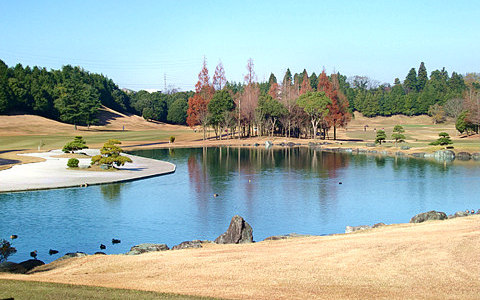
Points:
[(238, 232)]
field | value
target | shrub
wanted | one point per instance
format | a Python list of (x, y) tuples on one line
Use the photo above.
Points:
[(444, 139), (397, 134), (6, 250), (172, 139), (110, 154), (72, 163), (78, 143), (381, 136)]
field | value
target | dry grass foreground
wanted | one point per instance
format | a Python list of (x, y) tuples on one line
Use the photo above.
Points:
[(432, 260)]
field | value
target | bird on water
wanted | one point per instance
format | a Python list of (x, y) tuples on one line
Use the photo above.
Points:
[(34, 254), (103, 247), (116, 241)]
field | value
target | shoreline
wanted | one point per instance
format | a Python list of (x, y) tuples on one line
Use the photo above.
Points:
[(399, 260), (52, 173), (438, 154)]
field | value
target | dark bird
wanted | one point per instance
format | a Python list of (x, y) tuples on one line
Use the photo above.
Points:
[(340, 182), (103, 247), (34, 254), (52, 252), (13, 236), (115, 241)]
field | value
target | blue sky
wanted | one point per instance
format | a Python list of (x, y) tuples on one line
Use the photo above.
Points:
[(137, 43)]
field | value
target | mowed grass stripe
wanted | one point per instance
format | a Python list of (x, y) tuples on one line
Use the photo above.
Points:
[(41, 290)]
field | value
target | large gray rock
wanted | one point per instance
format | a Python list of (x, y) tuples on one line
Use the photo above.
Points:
[(444, 155), (72, 255), (190, 244), (427, 216), (463, 156), (238, 232), (459, 214), (147, 247), (350, 229), (11, 267), (31, 263)]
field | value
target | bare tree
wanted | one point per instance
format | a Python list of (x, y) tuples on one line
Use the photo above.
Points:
[(288, 97), (454, 107), (219, 79)]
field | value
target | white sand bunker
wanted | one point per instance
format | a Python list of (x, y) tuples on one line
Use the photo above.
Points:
[(53, 173)]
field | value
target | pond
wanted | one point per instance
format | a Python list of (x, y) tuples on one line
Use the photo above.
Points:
[(277, 191)]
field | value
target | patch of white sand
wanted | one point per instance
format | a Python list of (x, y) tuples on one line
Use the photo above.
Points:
[(53, 173)]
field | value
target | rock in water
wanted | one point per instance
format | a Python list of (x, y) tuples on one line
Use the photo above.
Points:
[(31, 263), (239, 232), (431, 215), (147, 247)]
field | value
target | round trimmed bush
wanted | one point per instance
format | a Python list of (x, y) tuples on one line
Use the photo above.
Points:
[(72, 163)]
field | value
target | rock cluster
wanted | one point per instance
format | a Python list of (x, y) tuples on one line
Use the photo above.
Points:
[(427, 216), (20, 268), (147, 247)]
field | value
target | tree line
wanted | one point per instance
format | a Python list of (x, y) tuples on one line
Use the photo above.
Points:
[(303, 105), (298, 105), (74, 96)]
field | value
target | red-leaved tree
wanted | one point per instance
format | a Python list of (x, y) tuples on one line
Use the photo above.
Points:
[(273, 91), (338, 115), (305, 87), (197, 112)]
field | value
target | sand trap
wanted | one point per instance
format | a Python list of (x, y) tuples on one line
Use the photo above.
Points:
[(53, 172)]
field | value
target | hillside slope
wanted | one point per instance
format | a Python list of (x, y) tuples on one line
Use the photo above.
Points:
[(110, 120)]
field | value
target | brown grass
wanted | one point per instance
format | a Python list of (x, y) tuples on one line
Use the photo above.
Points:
[(433, 260)]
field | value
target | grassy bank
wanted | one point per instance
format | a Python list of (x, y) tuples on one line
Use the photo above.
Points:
[(42, 290)]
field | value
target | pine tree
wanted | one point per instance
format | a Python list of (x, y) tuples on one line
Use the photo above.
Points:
[(422, 78), (313, 81), (287, 79), (410, 83)]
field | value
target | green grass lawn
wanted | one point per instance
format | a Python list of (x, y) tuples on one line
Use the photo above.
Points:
[(57, 141), (39, 290)]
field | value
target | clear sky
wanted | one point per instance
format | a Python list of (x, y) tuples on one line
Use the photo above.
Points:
[(137, 43)]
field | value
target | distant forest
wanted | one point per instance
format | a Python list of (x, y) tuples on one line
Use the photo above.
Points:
[(74, 96)]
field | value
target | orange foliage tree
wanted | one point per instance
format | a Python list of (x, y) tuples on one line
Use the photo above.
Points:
[(305, 87), (197, 112), (338, 115)]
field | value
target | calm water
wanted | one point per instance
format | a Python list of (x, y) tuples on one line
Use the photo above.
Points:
[(276, 191)]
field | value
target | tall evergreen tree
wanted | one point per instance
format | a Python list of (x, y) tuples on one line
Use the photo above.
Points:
[(313, 81), (287, 79), (422, 77), (410, 83), (272, 79)]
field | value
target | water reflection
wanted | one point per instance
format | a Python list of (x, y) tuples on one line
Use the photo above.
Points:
[(277, 190), (111, 192)]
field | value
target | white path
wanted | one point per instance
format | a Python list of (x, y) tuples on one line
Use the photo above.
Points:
[(53, 172)]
